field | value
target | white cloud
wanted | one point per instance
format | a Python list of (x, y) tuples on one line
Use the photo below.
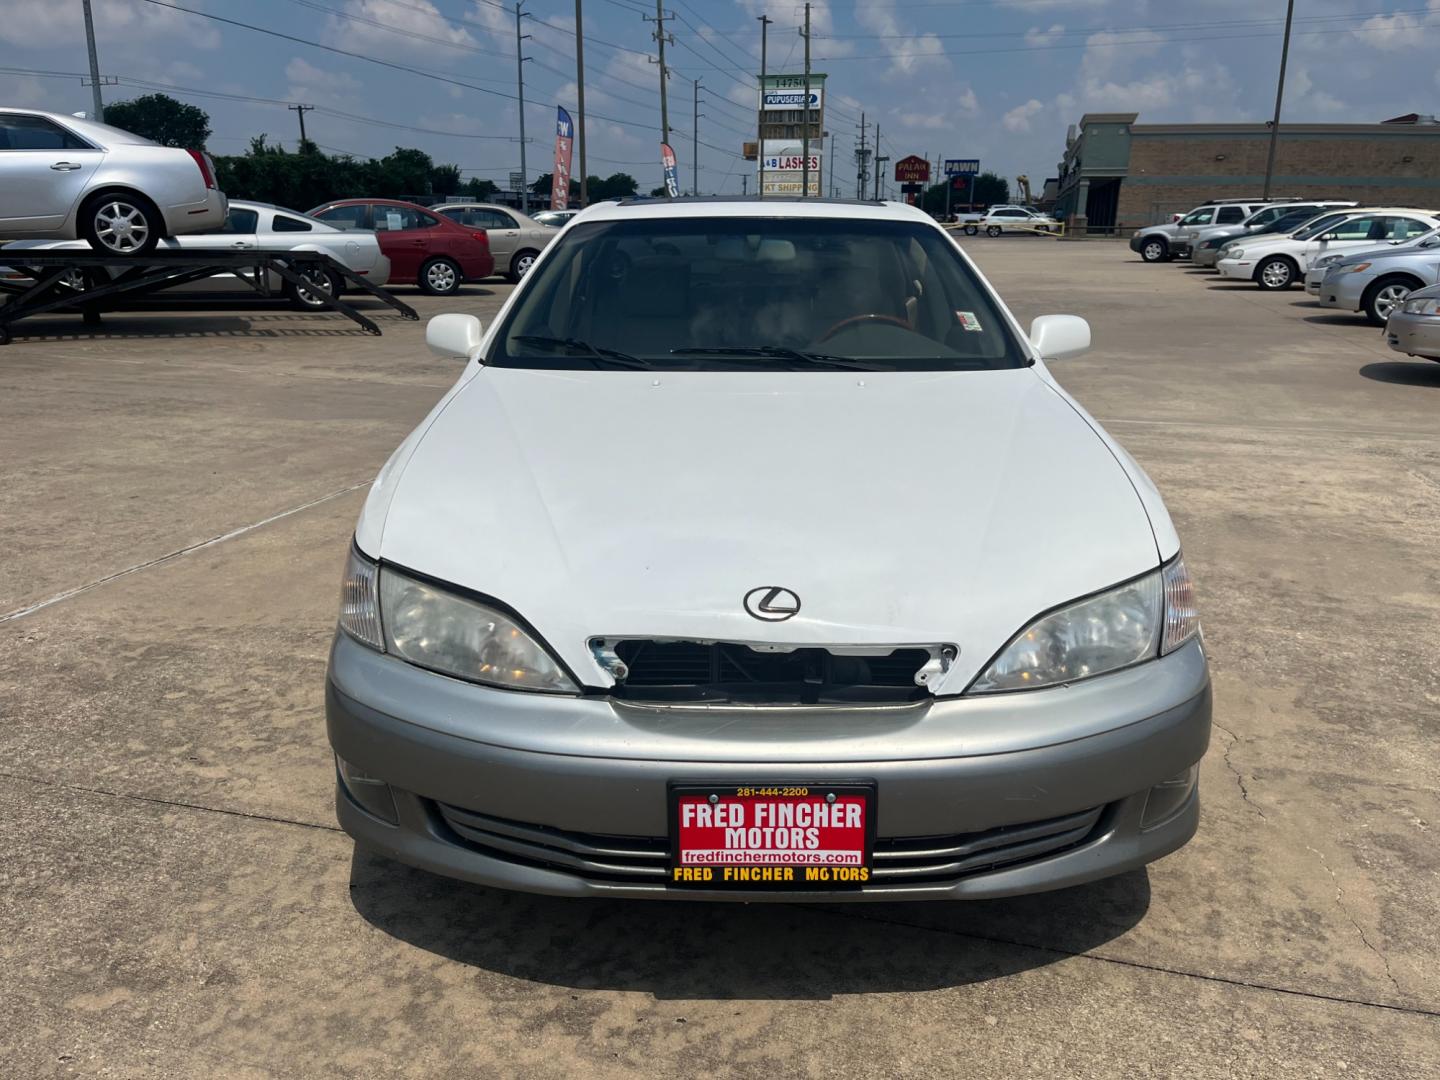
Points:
[(1392, 32), (311, 85), (908, 51), (1018, 118), (1037, 38), (413, 28), (32, 23)]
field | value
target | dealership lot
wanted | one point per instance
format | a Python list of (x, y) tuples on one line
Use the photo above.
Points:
[(177, 899)]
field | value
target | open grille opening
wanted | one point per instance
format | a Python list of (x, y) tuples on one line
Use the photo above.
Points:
[(730, 673)]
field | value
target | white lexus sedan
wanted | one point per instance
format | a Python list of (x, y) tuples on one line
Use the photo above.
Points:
[(756, 554)]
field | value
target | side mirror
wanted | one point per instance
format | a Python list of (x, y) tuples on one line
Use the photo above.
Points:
[(1059, 337), (454, 335), (1329, 236)]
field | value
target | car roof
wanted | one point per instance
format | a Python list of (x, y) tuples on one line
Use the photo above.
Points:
[(632, 209)]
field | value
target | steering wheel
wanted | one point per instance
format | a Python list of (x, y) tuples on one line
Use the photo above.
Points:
[(873, 316)]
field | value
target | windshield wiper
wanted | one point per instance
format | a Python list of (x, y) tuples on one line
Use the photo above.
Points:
[(614, 356), (780, 352)]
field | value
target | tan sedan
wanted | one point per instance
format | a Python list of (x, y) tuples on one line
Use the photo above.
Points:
[(515, 238)]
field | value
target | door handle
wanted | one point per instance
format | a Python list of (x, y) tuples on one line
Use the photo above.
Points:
[(240, 244), (66, 166)]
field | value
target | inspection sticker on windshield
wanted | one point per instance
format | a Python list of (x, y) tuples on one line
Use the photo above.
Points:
[(775, 836), (968, 320)]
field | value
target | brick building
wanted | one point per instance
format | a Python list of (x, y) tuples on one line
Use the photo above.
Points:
[(1118, 174)]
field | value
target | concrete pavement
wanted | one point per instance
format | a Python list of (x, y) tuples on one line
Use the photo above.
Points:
[(175, 899)]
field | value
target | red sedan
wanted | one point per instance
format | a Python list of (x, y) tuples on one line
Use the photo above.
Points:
[(424, 249)]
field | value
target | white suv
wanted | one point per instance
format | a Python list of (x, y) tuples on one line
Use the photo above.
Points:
[(1161, 243)]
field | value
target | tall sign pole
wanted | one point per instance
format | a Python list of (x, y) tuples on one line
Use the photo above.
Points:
[(580, 92), (765, 21), (805, 128), (860, 162), (1279, 97), (520, 80), (97, 106)]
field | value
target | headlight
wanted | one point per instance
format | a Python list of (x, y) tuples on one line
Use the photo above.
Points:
[(1328, 260), (1429, 305), (1137, 621), (443, 631), (1233, 253), (1357, 268)]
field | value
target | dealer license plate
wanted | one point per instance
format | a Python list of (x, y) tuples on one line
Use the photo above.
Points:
[(773, 836)]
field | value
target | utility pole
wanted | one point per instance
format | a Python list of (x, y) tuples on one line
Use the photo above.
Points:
[(695, 153), (520, 79), (805, 129), (660, 36), (744, 184), (1279, 97), (97, 106), (765, 21), (580, 91), (861, 157), (879, 160), (300, 111)]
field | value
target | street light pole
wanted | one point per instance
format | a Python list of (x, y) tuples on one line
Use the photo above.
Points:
[(765, 21), (580, 92), (1279, 97), (805, 126), (695, 153), (97, 106), (520, 79)]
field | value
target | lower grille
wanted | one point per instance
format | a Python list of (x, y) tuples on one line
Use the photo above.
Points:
[(899, 861)]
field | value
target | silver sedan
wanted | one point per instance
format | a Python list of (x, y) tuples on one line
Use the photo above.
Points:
[(1414, 326), (253, 226), (516, 239), (63, 178)]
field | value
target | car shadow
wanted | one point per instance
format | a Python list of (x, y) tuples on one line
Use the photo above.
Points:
[(1343, 319), (1420, 373), (682, 950), (172, 324)]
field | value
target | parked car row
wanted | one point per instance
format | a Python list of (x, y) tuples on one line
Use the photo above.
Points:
[(1380, 262), (1016, 218)]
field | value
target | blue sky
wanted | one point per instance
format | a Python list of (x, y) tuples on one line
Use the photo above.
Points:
[(995, 79)]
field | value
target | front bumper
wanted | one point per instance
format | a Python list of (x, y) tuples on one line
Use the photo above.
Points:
[(1414, 335), (1236, 269), (1203, 256), (567, 796), (1344, 290)]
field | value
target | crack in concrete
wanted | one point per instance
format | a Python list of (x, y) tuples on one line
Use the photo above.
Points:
[(1360, 930), (1239, 776)]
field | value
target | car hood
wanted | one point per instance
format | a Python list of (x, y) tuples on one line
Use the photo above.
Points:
[(902, 508), (1388, 251)]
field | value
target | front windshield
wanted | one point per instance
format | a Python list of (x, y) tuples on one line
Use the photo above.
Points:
[(1319, 225), (747, 293)]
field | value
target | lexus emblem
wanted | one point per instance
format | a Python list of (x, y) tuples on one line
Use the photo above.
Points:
[(771, 603)]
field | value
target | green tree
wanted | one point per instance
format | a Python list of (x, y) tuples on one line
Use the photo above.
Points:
[(990, 189), (163, 119), (658, 193), (615, 186), (481, 190), (445, 179)]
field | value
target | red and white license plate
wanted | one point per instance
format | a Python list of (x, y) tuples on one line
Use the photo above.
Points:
[(772, 836)]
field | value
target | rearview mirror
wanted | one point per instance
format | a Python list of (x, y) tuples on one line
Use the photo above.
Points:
[(1059, 337), (454, 335)]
